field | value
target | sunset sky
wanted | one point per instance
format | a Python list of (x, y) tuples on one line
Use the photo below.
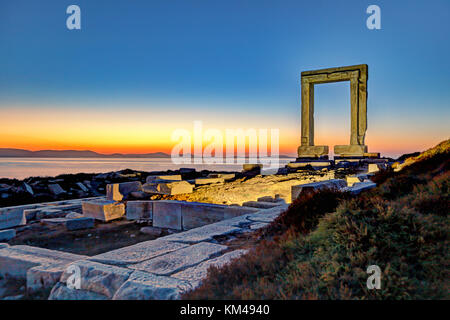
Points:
[(138, 70)]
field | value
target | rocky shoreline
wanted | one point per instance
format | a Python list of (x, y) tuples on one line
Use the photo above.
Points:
[(81, 185)]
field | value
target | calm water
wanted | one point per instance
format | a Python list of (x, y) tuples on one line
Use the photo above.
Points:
[(21, 168)]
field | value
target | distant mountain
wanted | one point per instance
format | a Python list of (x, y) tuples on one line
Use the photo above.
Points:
[(19, 153)]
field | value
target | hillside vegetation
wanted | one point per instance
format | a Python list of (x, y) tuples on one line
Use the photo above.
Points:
[(322, 245)]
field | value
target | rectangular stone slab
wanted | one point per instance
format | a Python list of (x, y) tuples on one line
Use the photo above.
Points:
[(197, 273), (167, 214), (98, 278), (205, 233), (13, 216), (326, 184), (103, 210), (119, 191), (139, 210), (146, 286), (138, 253), (15, 261), (196, 214), (181, 259)]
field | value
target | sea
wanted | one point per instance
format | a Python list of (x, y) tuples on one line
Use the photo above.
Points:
[(21, 168)]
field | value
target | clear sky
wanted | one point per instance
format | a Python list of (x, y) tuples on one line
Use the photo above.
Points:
[(138, 70)]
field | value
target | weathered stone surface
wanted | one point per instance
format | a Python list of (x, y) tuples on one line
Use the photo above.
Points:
[(13, 216), (199, 272), (312, 151), (15, 261), (260, 204), (361, 186), (119, 191), (61, 292), (225, 176), (172, 177), (236, 211), (202, 181), (56, 189), (80, 223), (352, 179), (138, 252), (267, 215), (372, 167), (49, 213), (205, 233), (139, 210), (350, 150), (251, 167), (258, 225), (271, 199), (82, 187), (197, 214), (181, 259), (326, 184), (54, 221), (167, 214), (28, 188), (74, 215), (146, 286), (304, 164), (103, 210), (174, 188), (98, 278), (138, 194), (6, 235), (151, 231)]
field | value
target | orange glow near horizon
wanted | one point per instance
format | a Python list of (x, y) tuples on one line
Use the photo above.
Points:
[(137, 131)]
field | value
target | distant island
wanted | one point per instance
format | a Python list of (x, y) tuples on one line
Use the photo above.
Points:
[(21, 153)]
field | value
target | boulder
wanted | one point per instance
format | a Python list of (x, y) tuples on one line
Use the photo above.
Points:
[(120, 191), (103, 210), (28, 188), (56, 189), (82, 187)]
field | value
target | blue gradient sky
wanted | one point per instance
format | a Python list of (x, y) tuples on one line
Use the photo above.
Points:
[(228, 63)]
